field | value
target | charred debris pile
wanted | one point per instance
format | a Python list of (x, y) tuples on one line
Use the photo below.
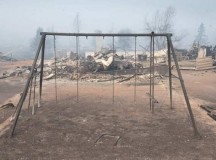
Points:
[(98, 67)]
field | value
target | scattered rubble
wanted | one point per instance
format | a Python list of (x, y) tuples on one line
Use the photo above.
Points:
[(204, 63), (7, 109), (108, 60), (18, 72), (211, 110), (5, 58), (6, 106), (100, 66)]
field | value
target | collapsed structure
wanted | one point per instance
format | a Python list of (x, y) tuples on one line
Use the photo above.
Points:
[(6, 58)]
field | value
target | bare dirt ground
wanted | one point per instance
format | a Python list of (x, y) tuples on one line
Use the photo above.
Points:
[(201, 84), (69, 129), (8, 87), (11, 85)]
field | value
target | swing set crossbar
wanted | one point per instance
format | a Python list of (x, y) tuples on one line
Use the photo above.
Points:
[(107, 34)]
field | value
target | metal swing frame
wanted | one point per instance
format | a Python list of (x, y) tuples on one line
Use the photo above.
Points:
[(171, 51)]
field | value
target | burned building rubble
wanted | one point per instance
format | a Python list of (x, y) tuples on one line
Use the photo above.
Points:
[(98, 65), (5, 58)]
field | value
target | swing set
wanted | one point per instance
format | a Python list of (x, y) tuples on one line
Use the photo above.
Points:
[(41, 49)]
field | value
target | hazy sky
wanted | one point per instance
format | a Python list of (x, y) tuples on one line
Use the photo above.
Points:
[(19, 19)]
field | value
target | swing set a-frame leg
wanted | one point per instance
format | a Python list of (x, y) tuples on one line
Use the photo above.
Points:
[(25, 91), (196, 133)]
